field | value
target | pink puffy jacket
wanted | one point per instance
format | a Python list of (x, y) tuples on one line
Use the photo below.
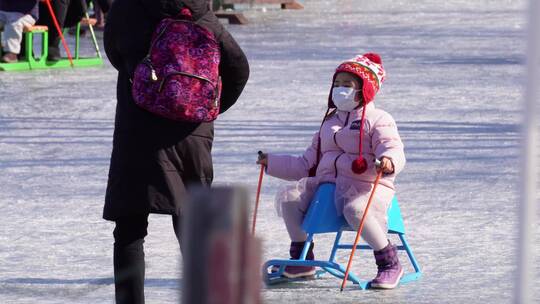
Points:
[(339, 147)]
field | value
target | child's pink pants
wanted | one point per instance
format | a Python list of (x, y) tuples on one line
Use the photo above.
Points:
[(354, 202)]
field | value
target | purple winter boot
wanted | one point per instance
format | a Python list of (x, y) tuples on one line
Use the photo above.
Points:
[(389, 269), (292, 272)]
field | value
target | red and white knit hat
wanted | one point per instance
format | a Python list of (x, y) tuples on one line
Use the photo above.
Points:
[(369, 69)]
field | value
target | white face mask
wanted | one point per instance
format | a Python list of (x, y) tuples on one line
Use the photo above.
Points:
[(343, 98)]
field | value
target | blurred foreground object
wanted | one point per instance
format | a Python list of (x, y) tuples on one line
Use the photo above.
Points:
[(221, 257), (529, 163)]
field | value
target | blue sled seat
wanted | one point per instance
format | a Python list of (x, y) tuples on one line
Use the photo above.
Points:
[(322, 217)]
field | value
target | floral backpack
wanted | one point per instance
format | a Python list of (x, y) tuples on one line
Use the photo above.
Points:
[(179, 78)]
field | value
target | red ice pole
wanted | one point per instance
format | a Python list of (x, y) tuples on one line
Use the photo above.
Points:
[(261, 174), (360, 228), (53, 16)]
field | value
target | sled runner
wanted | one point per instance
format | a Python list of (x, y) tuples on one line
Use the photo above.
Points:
[(322, 218)]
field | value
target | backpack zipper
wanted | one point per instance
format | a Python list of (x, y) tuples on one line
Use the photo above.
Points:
[(183, 74), (148, 62), (147, 59), (156, 39), (216, 100)]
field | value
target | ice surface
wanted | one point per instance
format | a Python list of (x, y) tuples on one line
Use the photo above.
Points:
[(455, 77)]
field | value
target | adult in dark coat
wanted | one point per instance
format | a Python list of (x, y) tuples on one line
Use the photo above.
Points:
[(153, 158)]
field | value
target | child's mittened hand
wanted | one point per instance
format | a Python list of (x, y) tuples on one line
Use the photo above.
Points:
[(262, 159), (387, 167)]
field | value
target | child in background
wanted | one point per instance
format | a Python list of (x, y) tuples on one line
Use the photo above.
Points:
[(14, 16), (352, 135)]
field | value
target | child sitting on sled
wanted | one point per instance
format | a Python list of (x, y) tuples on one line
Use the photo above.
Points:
[(14, 16), (352, 135)]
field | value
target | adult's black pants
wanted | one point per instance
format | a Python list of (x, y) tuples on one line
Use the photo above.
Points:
[(128, 258)]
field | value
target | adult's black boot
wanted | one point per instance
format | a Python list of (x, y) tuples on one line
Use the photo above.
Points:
[(54, 54), (129, 273)]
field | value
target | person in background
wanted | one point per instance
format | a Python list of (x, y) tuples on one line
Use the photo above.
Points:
[(68, 13), (14, 16), (101, 7)]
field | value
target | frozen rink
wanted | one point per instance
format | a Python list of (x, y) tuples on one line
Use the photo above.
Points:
[(455, 79)]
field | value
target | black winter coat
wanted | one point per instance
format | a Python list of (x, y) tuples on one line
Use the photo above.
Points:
[(153, 158)]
